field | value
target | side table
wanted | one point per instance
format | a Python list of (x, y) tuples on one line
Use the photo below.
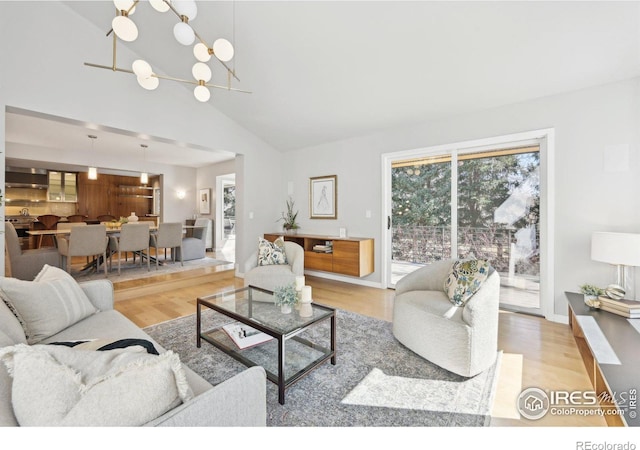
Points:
[(609, 345)]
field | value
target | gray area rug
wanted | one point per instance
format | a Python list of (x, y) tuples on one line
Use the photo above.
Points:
[(376, 382), (130, 271)]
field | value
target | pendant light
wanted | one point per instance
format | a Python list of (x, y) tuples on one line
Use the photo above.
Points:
[(144, 176), (93, 171)]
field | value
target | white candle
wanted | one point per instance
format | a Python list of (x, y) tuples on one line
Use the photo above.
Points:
[(306, 294), (299, 283)]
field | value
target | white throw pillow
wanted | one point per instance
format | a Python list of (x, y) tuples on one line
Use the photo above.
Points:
[(47, 305), (60, 386)]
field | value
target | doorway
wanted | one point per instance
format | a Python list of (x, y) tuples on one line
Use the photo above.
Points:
[(226, 216), (471, 201)]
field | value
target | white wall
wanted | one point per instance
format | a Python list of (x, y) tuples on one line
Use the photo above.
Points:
[(53, 80), (587, 198)]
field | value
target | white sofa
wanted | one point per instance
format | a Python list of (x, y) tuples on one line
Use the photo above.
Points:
[(463, 340), (239, 401)]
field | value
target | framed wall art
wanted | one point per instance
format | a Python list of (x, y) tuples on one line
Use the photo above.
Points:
[(323, 197), (205, 201)]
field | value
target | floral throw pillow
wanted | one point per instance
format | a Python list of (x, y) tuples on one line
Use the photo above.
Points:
[(270, 253), (464, 280)]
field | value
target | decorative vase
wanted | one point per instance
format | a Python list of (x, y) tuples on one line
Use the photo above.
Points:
[(132, 217), (285, 309), (290, 231)]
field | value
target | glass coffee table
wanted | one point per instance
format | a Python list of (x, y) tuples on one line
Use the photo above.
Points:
[(288, 354)]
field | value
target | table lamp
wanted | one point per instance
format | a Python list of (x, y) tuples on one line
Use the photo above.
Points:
[(621, 250)]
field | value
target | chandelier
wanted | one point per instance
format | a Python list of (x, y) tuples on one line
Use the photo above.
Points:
[(125, 29)]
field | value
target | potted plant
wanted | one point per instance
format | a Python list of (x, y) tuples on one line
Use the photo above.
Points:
[(285, 297), (289, 223), (591, 294)]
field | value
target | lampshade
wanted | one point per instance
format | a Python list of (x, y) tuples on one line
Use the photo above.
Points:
[(144, 178), (159, 5), (125, 29), (184, 33), (201, 52), (201, 71), (202, 93), (93, 173), (223, 50), (616, 248)]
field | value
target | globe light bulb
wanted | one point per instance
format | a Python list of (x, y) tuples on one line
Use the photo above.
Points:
[(223, 50), (201, 71), (159, 5), (184, 33), (186, 8), (124, 5), (201, 52), (141, 68), (149, 84), (202, 93), (124, 28)]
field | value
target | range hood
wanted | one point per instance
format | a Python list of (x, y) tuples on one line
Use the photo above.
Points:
[(19, 177)]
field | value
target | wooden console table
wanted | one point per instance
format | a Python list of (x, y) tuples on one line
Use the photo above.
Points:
[(610, 348), (351, 256)]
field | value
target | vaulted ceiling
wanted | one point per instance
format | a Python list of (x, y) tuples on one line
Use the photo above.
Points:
[(321, 71)]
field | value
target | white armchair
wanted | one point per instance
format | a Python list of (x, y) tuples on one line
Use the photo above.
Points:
[(463, 340), (268, 277)]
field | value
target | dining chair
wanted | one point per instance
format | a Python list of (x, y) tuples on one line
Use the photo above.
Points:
[(86, 240), (49, 222), (106, 218), (133, 237), (168, 236), (76, 218)]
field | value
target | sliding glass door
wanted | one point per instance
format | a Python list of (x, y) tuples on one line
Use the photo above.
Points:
[(471, 204)]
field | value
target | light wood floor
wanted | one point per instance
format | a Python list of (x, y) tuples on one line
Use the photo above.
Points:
[(536, 352)]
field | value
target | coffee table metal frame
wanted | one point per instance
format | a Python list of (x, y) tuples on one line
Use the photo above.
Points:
[(282, 337)]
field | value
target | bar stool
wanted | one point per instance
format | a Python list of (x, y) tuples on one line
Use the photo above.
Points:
[(49, 222)]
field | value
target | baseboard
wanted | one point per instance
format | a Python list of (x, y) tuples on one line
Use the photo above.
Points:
[(329, 276), (558, 318), (351, 280)]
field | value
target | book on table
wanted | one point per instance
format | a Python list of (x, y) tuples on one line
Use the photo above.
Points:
[(623, 304), (628, 314), (244, 336)]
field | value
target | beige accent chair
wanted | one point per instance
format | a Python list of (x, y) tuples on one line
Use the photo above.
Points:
[(205, 232), (462, 340), (84, 240), (169, 235), (269, 277), (26, 264), (134, 237)]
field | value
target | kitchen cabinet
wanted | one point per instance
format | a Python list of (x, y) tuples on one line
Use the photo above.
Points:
[(63, 187)]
